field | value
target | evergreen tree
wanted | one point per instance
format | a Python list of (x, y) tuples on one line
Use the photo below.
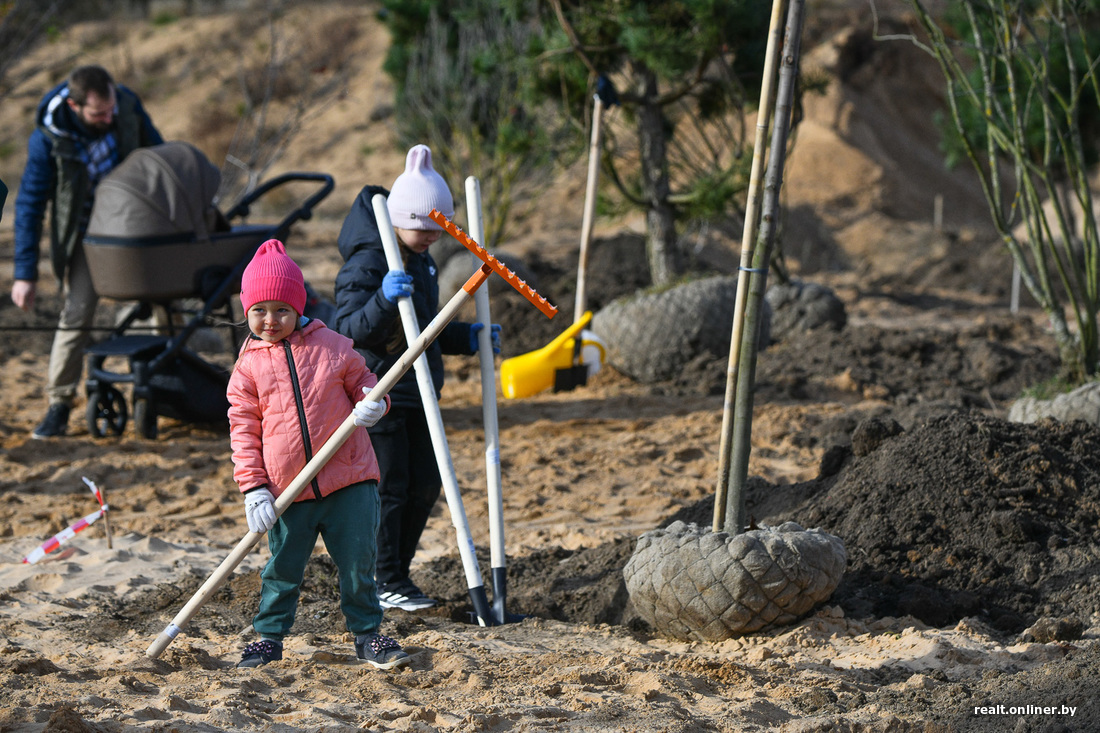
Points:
[(684, 70), (681, 69)]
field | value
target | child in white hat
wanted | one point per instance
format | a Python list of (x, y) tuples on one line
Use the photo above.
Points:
[(367, 294)]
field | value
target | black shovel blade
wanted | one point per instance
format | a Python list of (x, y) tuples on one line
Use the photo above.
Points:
[(570, 378)]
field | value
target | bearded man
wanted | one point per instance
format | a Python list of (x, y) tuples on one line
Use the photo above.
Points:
[(84, 127)]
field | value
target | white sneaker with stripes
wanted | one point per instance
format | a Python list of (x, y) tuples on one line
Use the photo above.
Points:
[(405, 596)]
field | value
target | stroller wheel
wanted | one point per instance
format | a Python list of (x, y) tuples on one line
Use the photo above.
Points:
[(145, 418), (106, 411)]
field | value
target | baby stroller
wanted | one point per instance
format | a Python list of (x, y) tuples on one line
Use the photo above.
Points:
[(155, 237)]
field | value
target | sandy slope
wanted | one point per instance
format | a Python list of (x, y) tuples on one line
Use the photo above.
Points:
[(581, 469)]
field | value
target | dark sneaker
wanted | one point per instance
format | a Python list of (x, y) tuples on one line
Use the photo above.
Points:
[(261, 652), (381, 651), (404, 595), (54, 424)]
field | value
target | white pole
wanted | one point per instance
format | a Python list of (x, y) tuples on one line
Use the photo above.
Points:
[(498, 560), (581, 303), (435, 421)]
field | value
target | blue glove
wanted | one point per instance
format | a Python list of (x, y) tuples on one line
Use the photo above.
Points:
[(494, 336), (605, 90), (397, 284)]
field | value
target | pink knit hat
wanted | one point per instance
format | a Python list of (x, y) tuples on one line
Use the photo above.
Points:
[(417, 191), (272, 275)]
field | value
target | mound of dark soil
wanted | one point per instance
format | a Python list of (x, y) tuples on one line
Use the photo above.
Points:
[(962, 516), (968, 515), (992, 360), (580, 586)]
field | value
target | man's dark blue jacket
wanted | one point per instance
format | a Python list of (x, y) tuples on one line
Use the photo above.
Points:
[(55, 171)]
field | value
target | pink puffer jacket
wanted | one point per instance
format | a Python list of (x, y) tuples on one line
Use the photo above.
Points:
[(265, 423)]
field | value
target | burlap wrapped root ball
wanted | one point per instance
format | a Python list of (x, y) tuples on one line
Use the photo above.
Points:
[(694, 584)]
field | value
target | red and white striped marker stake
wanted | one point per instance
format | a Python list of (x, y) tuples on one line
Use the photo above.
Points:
[(69, 532), (101, 497)]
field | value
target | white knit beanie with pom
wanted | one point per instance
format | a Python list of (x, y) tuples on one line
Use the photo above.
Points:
[(417, 191)]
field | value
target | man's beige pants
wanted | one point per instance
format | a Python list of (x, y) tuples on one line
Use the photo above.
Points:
[(73, 331)]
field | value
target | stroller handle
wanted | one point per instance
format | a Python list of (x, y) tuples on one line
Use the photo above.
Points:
[(280, 231), (302, 213)]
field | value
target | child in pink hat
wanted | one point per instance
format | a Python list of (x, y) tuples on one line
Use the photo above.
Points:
[(293, 385)]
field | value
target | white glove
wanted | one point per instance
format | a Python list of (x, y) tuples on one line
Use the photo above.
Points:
[(259, 508), (368, 412)]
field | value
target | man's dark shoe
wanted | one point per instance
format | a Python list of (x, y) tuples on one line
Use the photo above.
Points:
[(56, 422), (260, 652)]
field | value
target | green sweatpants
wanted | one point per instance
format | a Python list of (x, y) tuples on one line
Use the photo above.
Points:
[(347, 520)]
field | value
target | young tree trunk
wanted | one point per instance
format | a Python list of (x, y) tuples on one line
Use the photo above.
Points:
[(666, 261)]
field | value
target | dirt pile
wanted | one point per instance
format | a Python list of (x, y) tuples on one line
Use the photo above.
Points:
[(969, 515), (964, 515)]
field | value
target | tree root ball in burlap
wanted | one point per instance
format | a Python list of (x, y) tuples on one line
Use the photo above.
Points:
[(654, 336), (692, 584), (1082, 403)]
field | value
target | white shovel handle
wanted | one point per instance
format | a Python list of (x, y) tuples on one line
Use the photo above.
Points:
[(431, 405), (488, 390)]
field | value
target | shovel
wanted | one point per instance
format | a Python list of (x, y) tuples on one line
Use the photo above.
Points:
[(338, 438), (435, 424), (531, 373), (605, 97), (493, 490), (567, 362)]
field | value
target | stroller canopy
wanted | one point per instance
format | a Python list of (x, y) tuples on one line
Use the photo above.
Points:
[(159, 191)]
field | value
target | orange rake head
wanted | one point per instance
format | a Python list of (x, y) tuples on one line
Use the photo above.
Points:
[(494, 264)]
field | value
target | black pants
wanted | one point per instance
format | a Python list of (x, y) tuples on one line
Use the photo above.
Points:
[(408, 489)]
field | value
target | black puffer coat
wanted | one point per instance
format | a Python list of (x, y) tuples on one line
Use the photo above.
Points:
[(365, 316)]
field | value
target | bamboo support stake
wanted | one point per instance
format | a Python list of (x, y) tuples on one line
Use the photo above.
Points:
[(736, 518), (771, 61)]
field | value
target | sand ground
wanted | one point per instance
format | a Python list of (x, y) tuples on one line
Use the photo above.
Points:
[(584, 472)]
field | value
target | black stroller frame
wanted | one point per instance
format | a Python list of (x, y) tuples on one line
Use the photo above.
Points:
[(167, 377)]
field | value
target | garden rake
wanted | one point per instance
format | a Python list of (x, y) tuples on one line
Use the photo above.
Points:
[(338, 438)]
